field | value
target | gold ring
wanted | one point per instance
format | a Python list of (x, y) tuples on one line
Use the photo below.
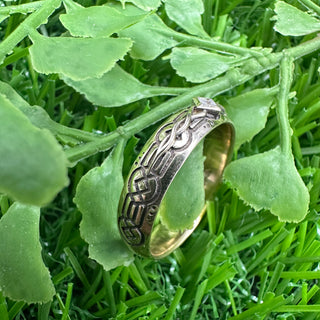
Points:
[(156, 167)]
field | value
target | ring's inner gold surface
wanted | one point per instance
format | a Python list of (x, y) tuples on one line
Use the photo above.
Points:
[(217, 151)]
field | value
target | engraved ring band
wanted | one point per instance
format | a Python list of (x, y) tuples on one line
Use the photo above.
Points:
[(156, 167)]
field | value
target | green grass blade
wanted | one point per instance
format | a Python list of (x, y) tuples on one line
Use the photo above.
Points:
[(174, 304)]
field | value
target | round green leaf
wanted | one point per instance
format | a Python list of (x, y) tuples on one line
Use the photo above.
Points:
[(294, 22), (249, 112), (97, 21), (115, 88), (37, 115), (184, 199), (33, 166), (187, 14), (150, 36), (97, 198), (77, 58), (270, 181), (146, 5), (23, 275), (198, 65)]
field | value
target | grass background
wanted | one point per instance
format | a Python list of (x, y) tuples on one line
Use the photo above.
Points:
[(238, 264)]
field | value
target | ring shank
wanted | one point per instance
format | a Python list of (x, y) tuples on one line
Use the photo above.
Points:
[(218, 145), (217, 151), (156, 167)]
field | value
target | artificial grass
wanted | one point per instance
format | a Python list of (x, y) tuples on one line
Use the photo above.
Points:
[(238, 264)]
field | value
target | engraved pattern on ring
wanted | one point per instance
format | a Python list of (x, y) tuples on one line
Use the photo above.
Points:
[(142, 199)]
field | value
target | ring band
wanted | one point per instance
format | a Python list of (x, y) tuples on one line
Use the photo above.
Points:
[(156, 166)]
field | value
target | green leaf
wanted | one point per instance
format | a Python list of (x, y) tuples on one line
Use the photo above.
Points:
[(33, 166), (23, 275), (147, 5), (249, 112), (97, 21), (115, 88), (187, 14), (77, 58), (270, 181), (291, 21), (198, 65), (184, 200), (40, 118), (3, 17), (150, 37), (37, 115), (97, 198)]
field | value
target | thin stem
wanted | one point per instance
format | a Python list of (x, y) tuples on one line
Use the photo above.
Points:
[(80, 135), (22, 8), (215, 45), (286, 72), (304, 48), (32, 22), (311, 5), (167, 90)]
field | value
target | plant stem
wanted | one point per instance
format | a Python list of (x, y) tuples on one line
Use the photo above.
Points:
[(311, 5), (212, 88), (216, 45), (304, 48), (32, 22), (167, 90), (80, 135), (22, 8), (286, 71)]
